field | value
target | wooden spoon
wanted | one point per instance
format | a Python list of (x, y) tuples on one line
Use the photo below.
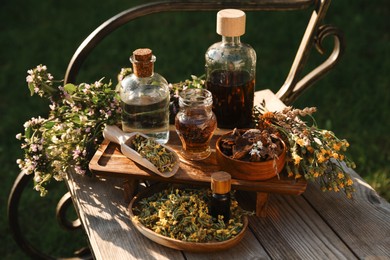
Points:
[(116, 135)]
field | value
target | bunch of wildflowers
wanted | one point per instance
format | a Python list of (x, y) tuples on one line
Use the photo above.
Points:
[(70, 135), (313, 153)]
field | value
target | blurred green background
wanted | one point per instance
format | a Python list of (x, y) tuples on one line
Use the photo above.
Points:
[(353, 100)]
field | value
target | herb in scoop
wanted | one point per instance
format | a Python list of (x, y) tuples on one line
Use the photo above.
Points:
[(148, 148)]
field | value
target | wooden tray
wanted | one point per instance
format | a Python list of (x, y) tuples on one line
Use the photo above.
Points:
[(109, 161), (178, 244)]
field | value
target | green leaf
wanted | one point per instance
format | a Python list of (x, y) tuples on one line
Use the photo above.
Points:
[(31, 88), (28, 132), (49, 124), (70, 88)]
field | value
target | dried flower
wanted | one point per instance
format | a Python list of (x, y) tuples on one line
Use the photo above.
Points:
[(312, 153), (183, 214), (154, 152)]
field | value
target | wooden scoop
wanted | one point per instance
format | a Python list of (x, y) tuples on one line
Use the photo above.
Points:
[(116, 135)]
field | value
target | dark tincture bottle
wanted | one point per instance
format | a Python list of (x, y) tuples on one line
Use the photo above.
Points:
[(230, 72), (220, 200)]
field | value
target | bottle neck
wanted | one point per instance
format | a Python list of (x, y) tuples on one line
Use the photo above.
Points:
[(235, 40), (143, 69)]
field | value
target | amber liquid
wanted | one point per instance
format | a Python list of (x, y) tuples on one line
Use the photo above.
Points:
[(195, 128), (233, 94)]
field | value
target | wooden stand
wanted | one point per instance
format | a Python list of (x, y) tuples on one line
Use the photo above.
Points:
[(110, 162)]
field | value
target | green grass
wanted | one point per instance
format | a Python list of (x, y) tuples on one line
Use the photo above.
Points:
[(352, 100)]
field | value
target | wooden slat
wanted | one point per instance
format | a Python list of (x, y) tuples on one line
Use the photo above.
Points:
[(293, 230), (102, 210), (363, 223)]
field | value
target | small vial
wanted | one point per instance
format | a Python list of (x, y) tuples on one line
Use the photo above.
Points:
[(220, 200)]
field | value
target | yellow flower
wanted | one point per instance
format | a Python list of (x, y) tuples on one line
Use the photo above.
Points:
[(335, 155), (337, 146), (297, 158), (297, 176), (300, 142), (321, 158), (290, 174), (316, 174), (340, 175), (349, 182)]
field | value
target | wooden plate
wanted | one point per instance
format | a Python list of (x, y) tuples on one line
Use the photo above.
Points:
[(178, 244)]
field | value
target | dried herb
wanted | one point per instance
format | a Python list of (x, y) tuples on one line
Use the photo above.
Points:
[(252, 145), (158, 155), (183, 214)]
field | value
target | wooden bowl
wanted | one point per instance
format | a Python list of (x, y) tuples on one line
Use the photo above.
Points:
[(178, 244), (245, 170)]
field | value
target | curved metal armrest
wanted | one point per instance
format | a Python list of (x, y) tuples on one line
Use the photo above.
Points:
[(315, 33), (13, 219)]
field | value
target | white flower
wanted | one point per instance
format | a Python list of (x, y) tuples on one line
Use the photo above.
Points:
[(29, 78), (254, 151)]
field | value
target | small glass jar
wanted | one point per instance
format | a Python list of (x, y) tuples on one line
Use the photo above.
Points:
[(195, 123)]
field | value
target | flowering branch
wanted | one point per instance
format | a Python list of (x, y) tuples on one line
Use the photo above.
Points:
[(70, 135)]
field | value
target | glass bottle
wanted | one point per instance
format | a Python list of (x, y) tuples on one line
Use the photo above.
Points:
[(230, 72), (220, 199), (195, 123), (145, 98)]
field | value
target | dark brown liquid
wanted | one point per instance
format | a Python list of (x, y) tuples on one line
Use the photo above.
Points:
[(233, 94), (195, 129)]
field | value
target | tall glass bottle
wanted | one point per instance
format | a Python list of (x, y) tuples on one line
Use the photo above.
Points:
[(230, 72), (145, 98)]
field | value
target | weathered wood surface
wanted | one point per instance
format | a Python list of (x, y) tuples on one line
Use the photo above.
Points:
[(362, 223), (315, 225)]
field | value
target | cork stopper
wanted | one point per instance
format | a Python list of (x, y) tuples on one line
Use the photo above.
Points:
[(220, 182), (230, 22), (143, 60)]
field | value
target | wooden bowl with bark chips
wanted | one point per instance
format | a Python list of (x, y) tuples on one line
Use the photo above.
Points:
[(138, 203), (251, 154)]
